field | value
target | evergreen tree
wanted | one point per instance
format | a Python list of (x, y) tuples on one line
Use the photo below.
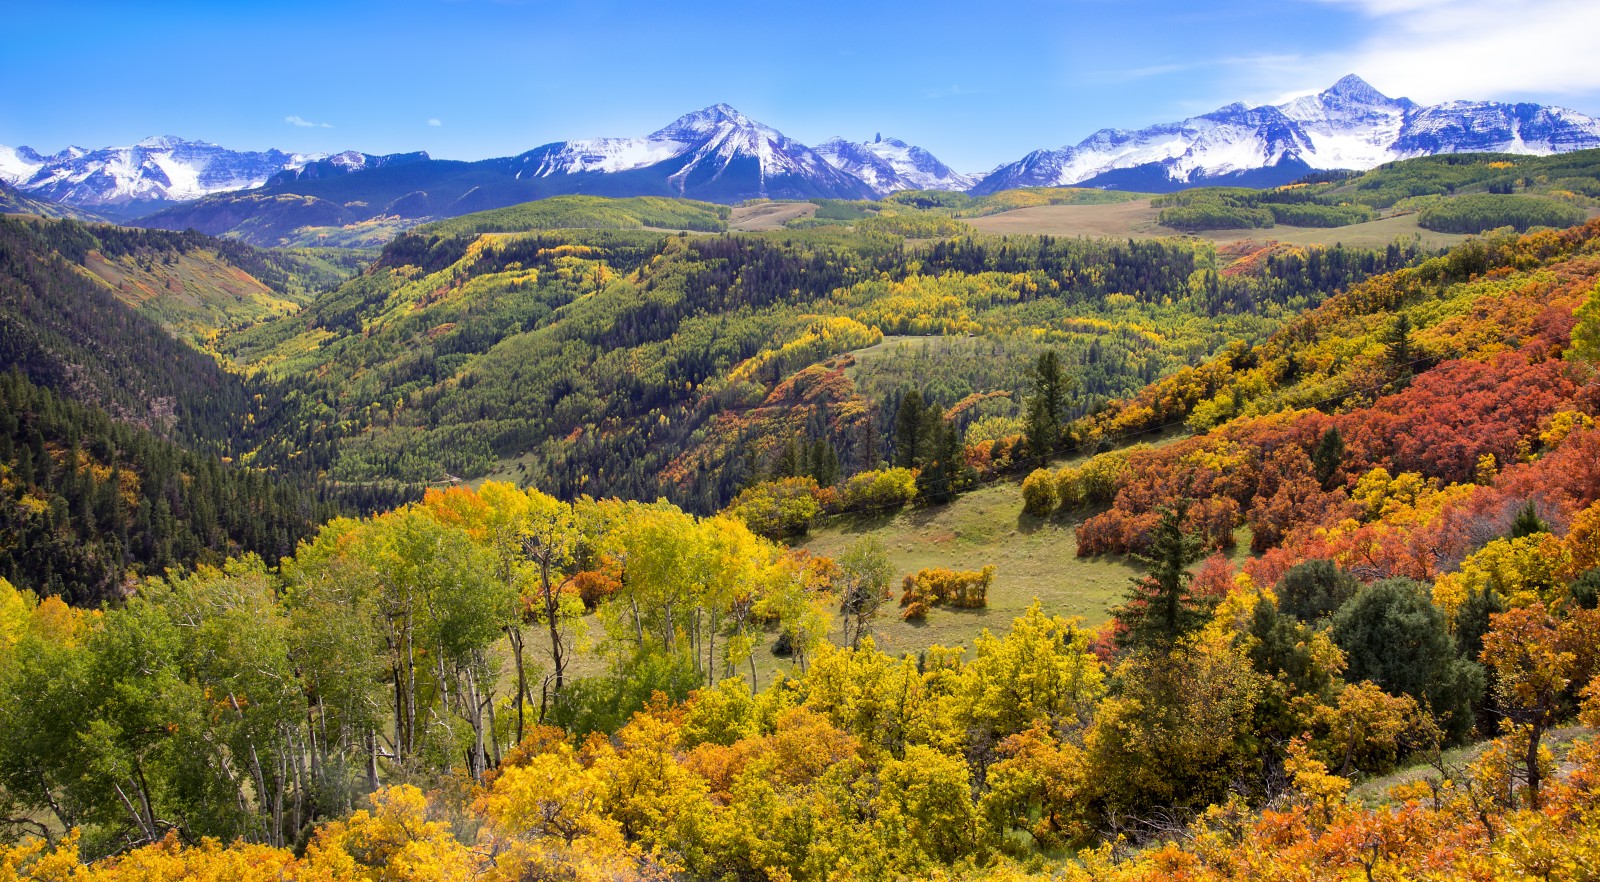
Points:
[(1328, 456), (945, 466), (1398, 343), (1161, 610), (1472, 620), (789, 464), (1528, 522), (910, 422), (1314, 590), (1046, 407), (1393, 635), (1585, 590)]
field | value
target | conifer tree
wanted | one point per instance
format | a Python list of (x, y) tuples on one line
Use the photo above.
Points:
[(1528, 522), (909, 425), (1161, 610), (1328, 456), (1047, 404)]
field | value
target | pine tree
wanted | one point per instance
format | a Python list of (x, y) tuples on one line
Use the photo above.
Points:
[(1047, 405), (910, 423), (1328, 456), (1528, 522), (945, 464), (1161, 610), (1398, 343)]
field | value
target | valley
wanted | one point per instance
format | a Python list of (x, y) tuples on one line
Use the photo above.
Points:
[(827, 442), (650, 498)]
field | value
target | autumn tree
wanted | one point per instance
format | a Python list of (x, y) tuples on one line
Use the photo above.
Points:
[(865, 574), (1586, 334), (1537, 658), (549, 535)]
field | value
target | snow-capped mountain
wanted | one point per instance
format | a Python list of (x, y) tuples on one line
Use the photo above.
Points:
[(888, 165), (717, 153), (150, 173), (1349, 126), (348, 162)]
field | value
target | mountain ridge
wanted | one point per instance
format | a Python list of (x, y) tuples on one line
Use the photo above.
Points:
[(1349, 125), (718, 154), (136, 179)]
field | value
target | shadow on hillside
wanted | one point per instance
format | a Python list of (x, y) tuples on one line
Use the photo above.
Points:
[(866, 523), (1028, 524)]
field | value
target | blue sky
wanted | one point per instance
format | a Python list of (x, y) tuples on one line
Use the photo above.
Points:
[(976, 83)]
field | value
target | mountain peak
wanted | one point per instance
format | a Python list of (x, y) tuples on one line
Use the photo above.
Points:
[(705, 121), (889, 164), (160, 142), (1353, 88)]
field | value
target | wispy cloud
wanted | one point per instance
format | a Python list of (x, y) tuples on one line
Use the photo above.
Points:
[(294, 120), (1248, 64), (1435, 50), (435, 122)]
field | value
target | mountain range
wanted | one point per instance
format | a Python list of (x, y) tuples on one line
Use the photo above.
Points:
[(720, 155), (135, 180), (1348, 126)]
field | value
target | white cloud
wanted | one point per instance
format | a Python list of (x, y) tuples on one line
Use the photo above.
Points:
[(294, 120), (1437, 50), (435, 122)]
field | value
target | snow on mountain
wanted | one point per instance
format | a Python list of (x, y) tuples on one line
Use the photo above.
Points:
[(155, 170), (18, 164), (888, 165), (1351, 125), (716, 152)]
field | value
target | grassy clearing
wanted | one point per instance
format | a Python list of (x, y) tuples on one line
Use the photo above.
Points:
[(1033, 558), (765, 216), (1137, 220)]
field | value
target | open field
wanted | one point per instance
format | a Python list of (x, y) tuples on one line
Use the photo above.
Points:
[(1138, 220), (768, 215), (1032, 557), (1119, 219)]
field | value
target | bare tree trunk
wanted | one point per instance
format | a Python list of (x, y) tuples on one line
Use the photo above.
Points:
[(514, 635), (711, 653), (411, 693), (1535, 735), (372, 761)]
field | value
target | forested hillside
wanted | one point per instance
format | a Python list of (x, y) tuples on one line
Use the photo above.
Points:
[(401, 697), (69, 331), (87, 502), (639, 364), (118, 437), (508, 682), (1460, 193)]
